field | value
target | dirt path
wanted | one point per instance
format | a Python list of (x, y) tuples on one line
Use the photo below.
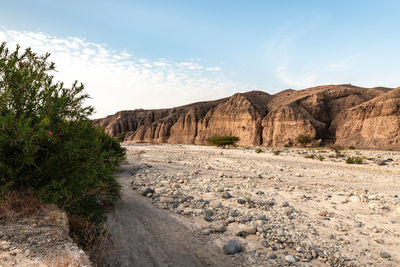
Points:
[(147, 236)]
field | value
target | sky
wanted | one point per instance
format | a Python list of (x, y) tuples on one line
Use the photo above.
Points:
[(165, 53)]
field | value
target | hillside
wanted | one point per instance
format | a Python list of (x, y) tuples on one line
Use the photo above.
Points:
[(340, 114)]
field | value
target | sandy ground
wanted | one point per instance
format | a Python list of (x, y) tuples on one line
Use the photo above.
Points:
[(283, 209)]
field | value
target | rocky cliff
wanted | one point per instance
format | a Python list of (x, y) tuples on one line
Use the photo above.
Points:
[(341, 114)]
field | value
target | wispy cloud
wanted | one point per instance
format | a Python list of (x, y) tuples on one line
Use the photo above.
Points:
[(118, 80)]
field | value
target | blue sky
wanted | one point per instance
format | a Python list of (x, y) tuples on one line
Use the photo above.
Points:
[(153, 54)]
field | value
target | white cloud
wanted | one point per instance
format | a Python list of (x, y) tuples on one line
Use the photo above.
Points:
[(120, 81)]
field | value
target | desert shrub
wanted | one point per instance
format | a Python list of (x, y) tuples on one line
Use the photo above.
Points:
[(259, 150), (304, 139), (121, 136), (223, 141), (276, 152), (336, 147), (354, 160), (352, 147), (321, 158), (309, 156), (48, 145)]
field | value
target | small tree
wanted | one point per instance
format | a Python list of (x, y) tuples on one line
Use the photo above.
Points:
[(304, 139), (223, 141)]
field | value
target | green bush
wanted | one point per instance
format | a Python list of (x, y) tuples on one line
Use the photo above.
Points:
[(48, 144), (352, 147), (304, 139), (121, 136), (276, 152), (354, 160), (321, 158), (259, 150), (223, 141)]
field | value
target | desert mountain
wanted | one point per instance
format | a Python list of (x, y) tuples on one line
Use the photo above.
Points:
[(340, 114)]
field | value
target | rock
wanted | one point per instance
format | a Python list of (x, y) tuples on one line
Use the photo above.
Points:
[(232, 247), (381, 163), (355, 199), (248, 229), (241, 201), (288, 210), (208, 218), (209, 212), (187, 211), (299, 249), (166, 200), (284, 204), (147, 191), (220, 174), (207, 232), (226, 195), (373, 205), (216, 204), (272, 257), (262, 217), (323, 213), (218, 227), (385, 255), (234, 213), (291, 258)]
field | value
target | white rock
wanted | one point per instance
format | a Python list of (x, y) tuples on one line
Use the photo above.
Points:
[(373, 205), (215, 204), (166, 200), (249, 229), (220, 174), (355, 199)]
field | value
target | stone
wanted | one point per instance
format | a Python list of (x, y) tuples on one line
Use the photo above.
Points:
[(209, 212), (323, 213), (385, 255), (219, 227), (208, 218), (232, 247), (166, 200), (262, 217), (226, 195), (220, 174), (187, 211), (288, 211), (241, 201), (234, 213), (248, 229), (373, 205), (284, 204), (147, 191), (398, 210), (355, 199), (207, 232), (272, 257), (216, 204), (291, 258), (381, 163)]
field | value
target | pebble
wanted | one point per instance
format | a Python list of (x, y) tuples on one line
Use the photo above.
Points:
[(166, 200), (323, 213), (248, 229), (385, 255), (241, 201), (288, 210), (226, 195), (216, 204), (219, 227), (272, 256), (147, 191), (398, 210), (220, 174), (232, 247), (291, 258), (355, 199), (187, 211)]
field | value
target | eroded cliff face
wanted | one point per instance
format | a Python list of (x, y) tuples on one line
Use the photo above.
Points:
[(344, 114), (373, 124)]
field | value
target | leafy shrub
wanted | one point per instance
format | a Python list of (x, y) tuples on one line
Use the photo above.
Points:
[(259, 150), (48, 145), (276, 152), (352, 147), (309, 156), (304, 139), (223, 141), (321, 158), (354, 160)]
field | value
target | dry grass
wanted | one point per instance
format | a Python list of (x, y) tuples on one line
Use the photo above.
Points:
[(15, 204), (91, 238)]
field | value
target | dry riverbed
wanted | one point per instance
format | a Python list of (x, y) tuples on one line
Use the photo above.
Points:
[(282, 209)]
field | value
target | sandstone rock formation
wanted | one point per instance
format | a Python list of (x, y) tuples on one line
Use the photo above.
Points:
[(340, 114)]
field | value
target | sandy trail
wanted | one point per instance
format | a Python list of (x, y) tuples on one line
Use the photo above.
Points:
[(147, 236)]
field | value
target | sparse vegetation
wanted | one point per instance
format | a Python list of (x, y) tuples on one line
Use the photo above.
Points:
[(259, 150), (223, 141), (276, 152), (121, 136), (309, 156), (48, 145), (304, 139), (321, 158), (352, 147), (354, 160)]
